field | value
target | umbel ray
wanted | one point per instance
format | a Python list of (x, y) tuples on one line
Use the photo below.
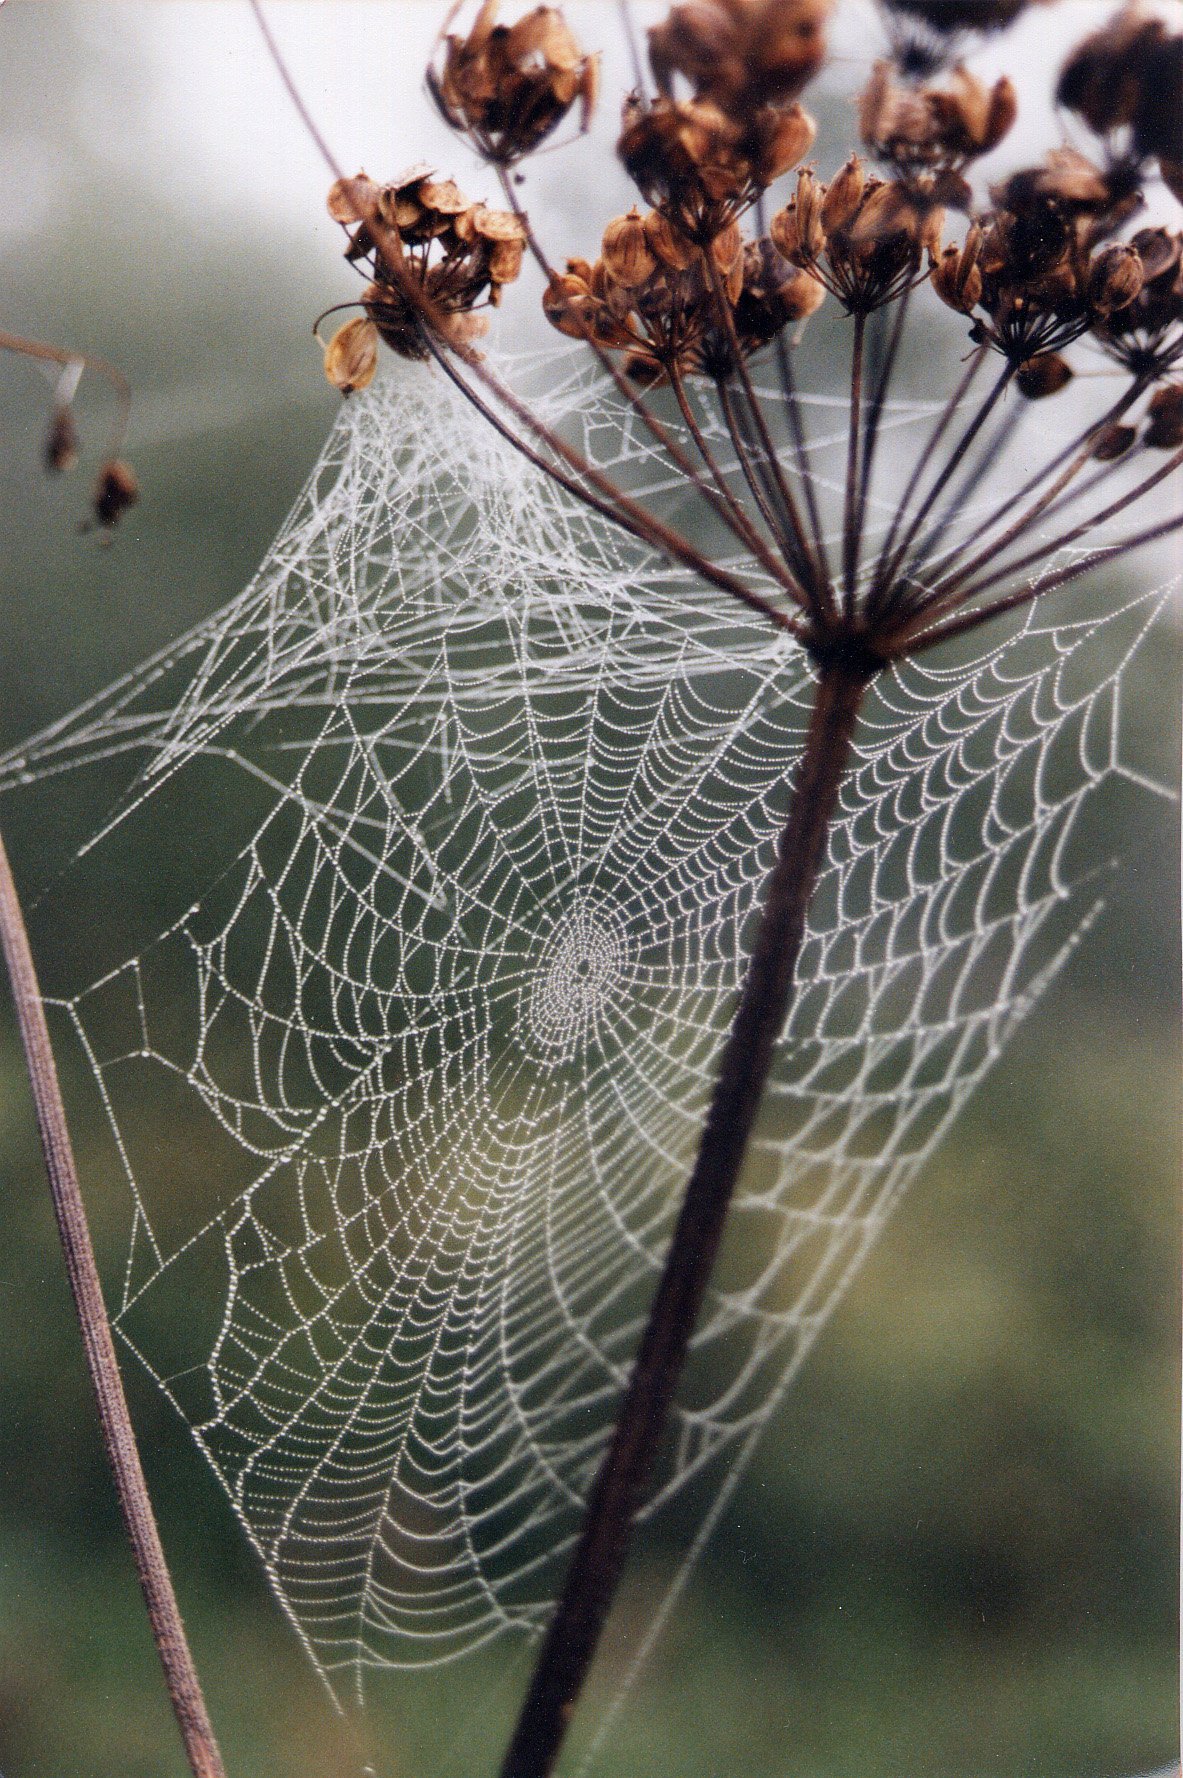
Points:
[(492, 1017)]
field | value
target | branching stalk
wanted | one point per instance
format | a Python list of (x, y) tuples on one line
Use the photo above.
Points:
[(168, 1631), (767, 992)]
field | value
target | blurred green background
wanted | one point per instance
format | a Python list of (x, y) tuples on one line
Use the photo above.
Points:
[(957, 1552)]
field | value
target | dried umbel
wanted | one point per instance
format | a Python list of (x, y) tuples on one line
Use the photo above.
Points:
[(1126, 82), (507, 87), (862, 237), (740, 53), (935, 128), (703, 167), (651, 294), (1145, 335), (1030, 273), (863, 566), (458, 254)]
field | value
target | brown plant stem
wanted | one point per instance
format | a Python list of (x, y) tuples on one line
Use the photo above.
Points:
[(600, 1553), (168, 1631)]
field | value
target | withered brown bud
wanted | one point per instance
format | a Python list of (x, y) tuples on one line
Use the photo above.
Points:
[(1113, 442), (956, 277), (626, 252), (1115, 278), (797, 230), (1043, 376), (665, 243), (351, 356), (508, 86), (843, 196), (934, 127), (61, 440), (1164, 416), (740, 53), (115, 490)]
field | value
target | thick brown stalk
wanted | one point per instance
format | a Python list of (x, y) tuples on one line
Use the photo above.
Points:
[(180, 1674), (599, 1557)]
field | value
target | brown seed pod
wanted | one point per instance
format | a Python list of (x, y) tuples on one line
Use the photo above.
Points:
[(1164, 417), (1115, 279), (61, 440), (351, 356), (114, 492), (626, 251), (1043, 376), (1112, 442)]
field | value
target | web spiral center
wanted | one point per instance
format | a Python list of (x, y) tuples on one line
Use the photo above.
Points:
[(577, 982)]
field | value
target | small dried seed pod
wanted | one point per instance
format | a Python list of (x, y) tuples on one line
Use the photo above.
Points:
[(956, 277), (1043, 376), (843, 196), (351, 356), (797, 230), (61, 440), (627, 255), (1115, 279), (115, 490), (1164, 416), (1112, 442), (669, 247)]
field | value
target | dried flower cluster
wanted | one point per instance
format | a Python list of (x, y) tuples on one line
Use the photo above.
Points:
[(458, 254), (1126, 82), (683, 289), (509, 86)]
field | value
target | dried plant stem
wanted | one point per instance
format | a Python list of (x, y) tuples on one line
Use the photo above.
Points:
[(180, 1674), (599, 1557)]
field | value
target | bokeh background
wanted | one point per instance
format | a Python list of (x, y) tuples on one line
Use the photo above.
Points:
[(956, 1555)]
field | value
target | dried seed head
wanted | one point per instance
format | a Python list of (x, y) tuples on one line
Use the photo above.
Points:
[(1113, 442), (934, 128), (61, 440), (1164, 416), (506, 87), (1043, 376), (1115, 278), (740, 53), (702, 167), (114, 492), (351, 356), (460, 255), (1067, 179), (1128, 77), (1146, 334)]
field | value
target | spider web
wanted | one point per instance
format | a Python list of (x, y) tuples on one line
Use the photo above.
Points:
[(486, 798)]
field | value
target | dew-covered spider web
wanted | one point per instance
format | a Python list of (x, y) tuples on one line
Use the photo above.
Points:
[(470, 804)]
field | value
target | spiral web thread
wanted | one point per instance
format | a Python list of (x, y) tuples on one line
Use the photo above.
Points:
[(496, 797)]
